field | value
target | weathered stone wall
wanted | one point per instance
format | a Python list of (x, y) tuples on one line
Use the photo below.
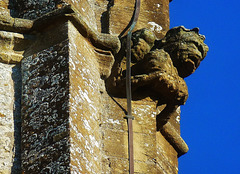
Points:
[(10, 121), (6, 119), (107, 16), (153, 15), (85, 133), (32, 9), (45, 124), (4, 7), (113, 16), (152, 152), (70, 123)]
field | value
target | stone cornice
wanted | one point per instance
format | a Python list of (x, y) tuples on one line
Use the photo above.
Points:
[(19, 31)]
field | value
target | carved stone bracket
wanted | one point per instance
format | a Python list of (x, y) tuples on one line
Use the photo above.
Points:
[(12, 46), (22, 32)]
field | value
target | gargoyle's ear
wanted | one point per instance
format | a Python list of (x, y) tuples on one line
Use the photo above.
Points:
[(196, 29), (204, 50)]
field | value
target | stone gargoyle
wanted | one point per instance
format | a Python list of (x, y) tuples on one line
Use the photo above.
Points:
[(159, 66)]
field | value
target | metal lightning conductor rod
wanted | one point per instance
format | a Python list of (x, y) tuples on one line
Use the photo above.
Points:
[(128, 87)]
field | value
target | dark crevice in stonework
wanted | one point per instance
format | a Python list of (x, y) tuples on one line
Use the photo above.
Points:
[(105, 23), (12, 7), (17, 80)]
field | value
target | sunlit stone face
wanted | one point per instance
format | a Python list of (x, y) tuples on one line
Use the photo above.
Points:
[(186, 59)]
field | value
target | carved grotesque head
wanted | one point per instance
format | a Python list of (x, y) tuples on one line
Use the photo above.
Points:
[(186, 48)]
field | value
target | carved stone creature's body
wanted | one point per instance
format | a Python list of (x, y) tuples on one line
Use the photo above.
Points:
[(159, 66)]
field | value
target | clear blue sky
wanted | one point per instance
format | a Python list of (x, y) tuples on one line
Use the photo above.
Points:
[(210, 120)]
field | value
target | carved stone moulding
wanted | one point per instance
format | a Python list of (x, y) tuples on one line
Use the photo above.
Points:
[(101, 15), (13, 44)]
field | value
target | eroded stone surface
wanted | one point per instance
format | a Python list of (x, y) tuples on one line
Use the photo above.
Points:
[(10, 121), (104, 15), (150, 147), (5, 7), (12, 46), (6, 119), (32, 9), (85, 133), (45, 125), (113, 16)]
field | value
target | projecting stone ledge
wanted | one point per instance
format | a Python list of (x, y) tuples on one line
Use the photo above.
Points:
[(13, 44)]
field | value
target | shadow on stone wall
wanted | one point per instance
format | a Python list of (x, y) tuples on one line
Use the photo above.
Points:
[(17, 80), (105, 18), (12, 6)]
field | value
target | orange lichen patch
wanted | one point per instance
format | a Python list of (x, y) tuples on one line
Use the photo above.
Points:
[(59, 6), (2, 115), (3, 4)]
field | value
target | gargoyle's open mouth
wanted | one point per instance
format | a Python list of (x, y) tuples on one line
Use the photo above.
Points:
[(195, 59), (189, 64)]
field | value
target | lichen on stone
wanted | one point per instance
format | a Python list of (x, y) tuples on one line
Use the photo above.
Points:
[(32, 9)]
